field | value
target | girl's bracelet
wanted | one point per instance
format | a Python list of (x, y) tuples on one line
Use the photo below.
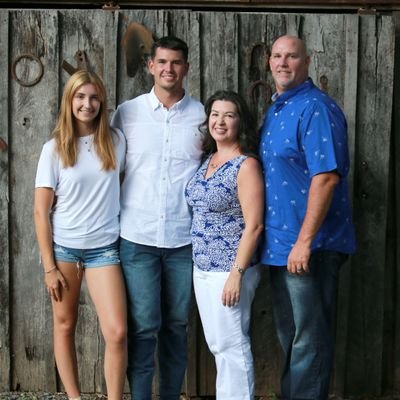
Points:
[(50, 270)]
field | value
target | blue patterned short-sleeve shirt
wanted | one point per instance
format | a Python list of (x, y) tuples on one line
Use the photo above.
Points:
[(304, 134), (218, 222)]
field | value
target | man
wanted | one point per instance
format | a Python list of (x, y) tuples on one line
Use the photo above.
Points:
[(163, 152), (308, 228)]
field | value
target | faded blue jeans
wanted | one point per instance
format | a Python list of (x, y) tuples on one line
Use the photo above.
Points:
[(159, 284), (304, 309)]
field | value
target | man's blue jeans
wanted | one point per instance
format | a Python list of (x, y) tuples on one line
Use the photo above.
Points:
[(303, 309), (158, 283)]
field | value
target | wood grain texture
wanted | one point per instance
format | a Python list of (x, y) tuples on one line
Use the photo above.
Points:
[(5, 354), (351, 31), (219, 51), (32, 115), (394, 364), (374, 106)]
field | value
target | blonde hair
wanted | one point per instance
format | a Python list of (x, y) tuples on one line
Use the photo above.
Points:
[(64, 131)]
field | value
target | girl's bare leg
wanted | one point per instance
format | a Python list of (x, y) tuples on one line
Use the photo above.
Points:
[(65, 314), (107, 290)]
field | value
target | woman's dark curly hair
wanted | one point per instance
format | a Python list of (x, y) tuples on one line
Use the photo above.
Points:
[(247, 138)]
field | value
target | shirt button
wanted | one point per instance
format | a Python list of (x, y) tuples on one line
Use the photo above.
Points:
[(276, 114)]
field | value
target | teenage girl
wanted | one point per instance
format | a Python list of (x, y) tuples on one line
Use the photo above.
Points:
[(77, 226)]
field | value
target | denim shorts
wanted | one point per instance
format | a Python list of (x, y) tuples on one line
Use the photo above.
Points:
[(88, 258)]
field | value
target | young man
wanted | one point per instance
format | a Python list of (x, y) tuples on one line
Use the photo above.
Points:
[(308, 228), (163, 152)]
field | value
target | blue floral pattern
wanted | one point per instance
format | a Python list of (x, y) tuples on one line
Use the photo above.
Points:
[(218, 222)]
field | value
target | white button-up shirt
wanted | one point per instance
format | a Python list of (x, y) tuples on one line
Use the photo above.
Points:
[(163, 153)]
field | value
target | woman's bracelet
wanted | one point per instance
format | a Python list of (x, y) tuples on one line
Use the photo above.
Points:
[(50, 270), (239, 268)]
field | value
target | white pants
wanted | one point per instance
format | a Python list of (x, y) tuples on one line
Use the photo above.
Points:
[(226, 330)]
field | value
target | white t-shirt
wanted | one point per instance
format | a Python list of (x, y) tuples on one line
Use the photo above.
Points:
[(86, 211), (164, 149)]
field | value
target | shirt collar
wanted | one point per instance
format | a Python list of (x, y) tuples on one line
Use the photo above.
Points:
[(285, 96), (156, 103)]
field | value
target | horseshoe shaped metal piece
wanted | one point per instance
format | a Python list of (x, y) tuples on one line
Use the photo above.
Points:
[(81, 62), (21, 81)]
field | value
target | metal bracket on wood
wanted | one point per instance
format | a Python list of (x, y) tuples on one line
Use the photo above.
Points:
[(3, 145), (257, 57), (110, 6), (252, 54), (323, 81), (81, 62), (267, 94), (366, 11)]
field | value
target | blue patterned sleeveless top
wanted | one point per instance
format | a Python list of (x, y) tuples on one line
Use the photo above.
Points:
[(218, 222)]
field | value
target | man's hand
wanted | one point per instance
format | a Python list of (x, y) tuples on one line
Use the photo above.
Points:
[(319, 199), (298, 259)]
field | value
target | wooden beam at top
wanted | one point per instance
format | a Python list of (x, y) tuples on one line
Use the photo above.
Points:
[(299, 4)]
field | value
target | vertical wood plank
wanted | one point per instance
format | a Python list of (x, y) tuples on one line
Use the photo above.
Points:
[(32, 113), (396, 205), (350, 86), (219, 55), (385, 77), (110, 37), (294, 24), (5, 360), (351, 25), (374, 105)]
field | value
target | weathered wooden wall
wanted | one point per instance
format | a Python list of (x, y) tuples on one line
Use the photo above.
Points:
[(392, 281), (249, 4), (354, 56)]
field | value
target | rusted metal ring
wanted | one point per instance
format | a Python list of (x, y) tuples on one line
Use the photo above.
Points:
[(14, 70)]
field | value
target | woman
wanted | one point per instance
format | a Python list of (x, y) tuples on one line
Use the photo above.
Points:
[(76, 217), (227, 198)]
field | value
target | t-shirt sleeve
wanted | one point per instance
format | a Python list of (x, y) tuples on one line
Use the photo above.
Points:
[(47, 173), (324, 139), (116, 121), (120, 149)]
